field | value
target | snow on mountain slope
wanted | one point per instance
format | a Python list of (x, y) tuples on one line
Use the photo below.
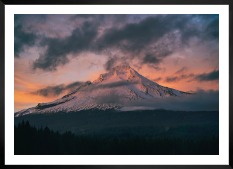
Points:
[(113, 90)]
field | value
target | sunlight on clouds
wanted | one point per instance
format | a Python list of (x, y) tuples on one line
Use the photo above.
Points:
[(57, 50)]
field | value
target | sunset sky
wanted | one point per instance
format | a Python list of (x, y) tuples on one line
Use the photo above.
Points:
[(56, 53)]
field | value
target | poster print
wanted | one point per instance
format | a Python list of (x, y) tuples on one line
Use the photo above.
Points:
[(116, 84)]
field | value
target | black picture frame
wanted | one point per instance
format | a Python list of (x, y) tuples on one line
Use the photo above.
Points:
[(111, 2)]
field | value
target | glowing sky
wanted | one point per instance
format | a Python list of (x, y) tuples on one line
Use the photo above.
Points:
[(55, 53)]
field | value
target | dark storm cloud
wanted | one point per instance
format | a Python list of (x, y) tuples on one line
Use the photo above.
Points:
[(151, 59), (22, 39), (212, 29), (138, 35), (58, 49), (81, 39), (203, 27), (22, 35), (199, 101), (134, 38), (145, 39), (51, 91), (214, 75)]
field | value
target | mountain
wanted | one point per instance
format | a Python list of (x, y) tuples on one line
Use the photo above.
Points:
[(117, 89)]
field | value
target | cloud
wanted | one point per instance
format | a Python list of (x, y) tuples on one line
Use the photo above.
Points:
[(212, 29), (157, 79), (181, 70), (148, 38), (23, 33), (142, 40), (151, 59), (156, 37), (200, 101), (178, 78), (58, 49), (110, 85), (81, 39), (211, 76), (172, 79), (52, 91), (139, 35), (158, 68), (214, 75), (109, 98), (73, 85), (22, 39), (117, 84), (110, 63), (204, 27)]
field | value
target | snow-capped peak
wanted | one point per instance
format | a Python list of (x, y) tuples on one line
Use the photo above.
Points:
[(112, 90)]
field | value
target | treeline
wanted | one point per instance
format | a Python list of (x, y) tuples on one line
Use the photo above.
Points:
[(29, 140)]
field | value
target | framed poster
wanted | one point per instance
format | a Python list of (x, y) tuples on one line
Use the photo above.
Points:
[(117, 84)]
